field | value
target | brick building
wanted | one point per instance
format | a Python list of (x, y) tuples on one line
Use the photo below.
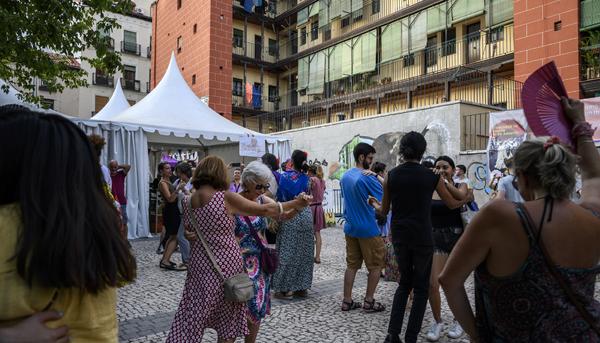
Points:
[(566, 31), (273, 65)]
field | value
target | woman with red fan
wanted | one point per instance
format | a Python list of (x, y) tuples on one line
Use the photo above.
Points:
[(534, 269)]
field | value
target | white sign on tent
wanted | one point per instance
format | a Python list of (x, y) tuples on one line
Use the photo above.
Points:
[(252, 146)]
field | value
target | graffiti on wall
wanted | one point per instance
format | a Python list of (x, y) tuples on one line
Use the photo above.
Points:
[(387, 146), (345, 157), (477, 172)]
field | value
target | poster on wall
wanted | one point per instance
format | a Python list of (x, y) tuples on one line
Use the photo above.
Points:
[(251, 146), (508, 130), (592, 116)]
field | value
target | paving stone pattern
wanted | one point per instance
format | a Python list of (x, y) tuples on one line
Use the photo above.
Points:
[(147, 307)]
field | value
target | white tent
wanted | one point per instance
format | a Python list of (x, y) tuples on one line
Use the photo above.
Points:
[(127, 144), (117, 104), (172, 108)]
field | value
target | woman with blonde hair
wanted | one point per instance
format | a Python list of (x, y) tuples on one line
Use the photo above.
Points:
[(535, 262), (317, 190), (210, 210)]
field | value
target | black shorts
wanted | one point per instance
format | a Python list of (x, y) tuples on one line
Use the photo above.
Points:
[(445, 238)]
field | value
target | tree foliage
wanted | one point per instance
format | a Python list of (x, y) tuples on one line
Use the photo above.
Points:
[(42, 38)]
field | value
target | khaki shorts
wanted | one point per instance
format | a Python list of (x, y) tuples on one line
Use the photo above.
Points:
[(371, 250)]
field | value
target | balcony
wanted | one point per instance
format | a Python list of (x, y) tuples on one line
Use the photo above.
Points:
[(462, 83), (590, 64), (254, 103), (103, 80), (257, 52), (590, 14), (131, 48), (132, 85), (370, 13), (269, 11)]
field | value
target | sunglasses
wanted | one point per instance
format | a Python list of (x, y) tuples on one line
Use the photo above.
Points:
[(260, 187)]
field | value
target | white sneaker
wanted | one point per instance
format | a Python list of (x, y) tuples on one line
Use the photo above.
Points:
[(433, 335), (456, 331)]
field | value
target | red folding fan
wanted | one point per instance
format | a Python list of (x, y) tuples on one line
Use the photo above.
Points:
[(542, 106)]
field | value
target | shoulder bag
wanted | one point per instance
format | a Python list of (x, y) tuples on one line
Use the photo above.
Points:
[(237, 288), (269, 258)]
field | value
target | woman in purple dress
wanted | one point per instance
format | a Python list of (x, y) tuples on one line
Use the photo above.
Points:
[(317, 190)]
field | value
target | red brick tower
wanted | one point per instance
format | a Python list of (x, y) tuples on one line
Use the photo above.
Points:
[(199, 31), (548, 30)]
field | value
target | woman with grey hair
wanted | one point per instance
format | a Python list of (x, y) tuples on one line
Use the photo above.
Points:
[(535, 262), (250, 233)]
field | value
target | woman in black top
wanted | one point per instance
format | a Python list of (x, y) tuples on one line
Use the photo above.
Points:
[(447, 228), (408, 188)]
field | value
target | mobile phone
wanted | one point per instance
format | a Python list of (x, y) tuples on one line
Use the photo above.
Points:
[(236, 165)]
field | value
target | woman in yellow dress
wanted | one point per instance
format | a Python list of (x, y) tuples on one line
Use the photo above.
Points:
[(61, 254)]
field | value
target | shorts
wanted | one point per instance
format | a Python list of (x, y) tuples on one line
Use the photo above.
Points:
[(371, 250), (444, 239)]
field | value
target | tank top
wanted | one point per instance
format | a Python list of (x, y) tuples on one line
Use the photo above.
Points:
[(444, 217), (530, 306)]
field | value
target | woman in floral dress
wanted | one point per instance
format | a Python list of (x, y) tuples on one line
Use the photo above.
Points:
[(255, 182), (210, 210)]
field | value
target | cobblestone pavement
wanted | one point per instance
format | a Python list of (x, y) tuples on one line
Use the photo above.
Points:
[(146, 308)]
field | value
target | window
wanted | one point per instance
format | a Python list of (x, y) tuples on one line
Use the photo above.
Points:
[(449, 42), (357, 15), (238, 38), (129, 73), (272, 47), (314, 30), (272, 94), (100, 102), (496, 34), (303, 36), (179, 44), (48, 103), (130, 42), (178, 4), (408, 60), (431, 51), (194, 79), (238, 87), (345, 21), (195, 28), (375, 7)]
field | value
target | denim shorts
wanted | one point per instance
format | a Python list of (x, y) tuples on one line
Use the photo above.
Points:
[(445, 238)]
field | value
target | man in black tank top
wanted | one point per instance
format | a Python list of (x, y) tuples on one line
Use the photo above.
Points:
[(408, 188)]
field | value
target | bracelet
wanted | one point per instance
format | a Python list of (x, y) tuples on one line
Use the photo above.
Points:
[(582, 129), (280, 210)]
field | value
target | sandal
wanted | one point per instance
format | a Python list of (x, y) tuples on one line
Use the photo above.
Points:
[(349, 306), (172, 266), (373, 306), (283, 296)]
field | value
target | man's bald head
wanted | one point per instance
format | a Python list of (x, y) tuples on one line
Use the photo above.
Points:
[(113, 166)]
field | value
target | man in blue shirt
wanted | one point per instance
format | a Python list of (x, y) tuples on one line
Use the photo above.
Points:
[(363, 238)]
